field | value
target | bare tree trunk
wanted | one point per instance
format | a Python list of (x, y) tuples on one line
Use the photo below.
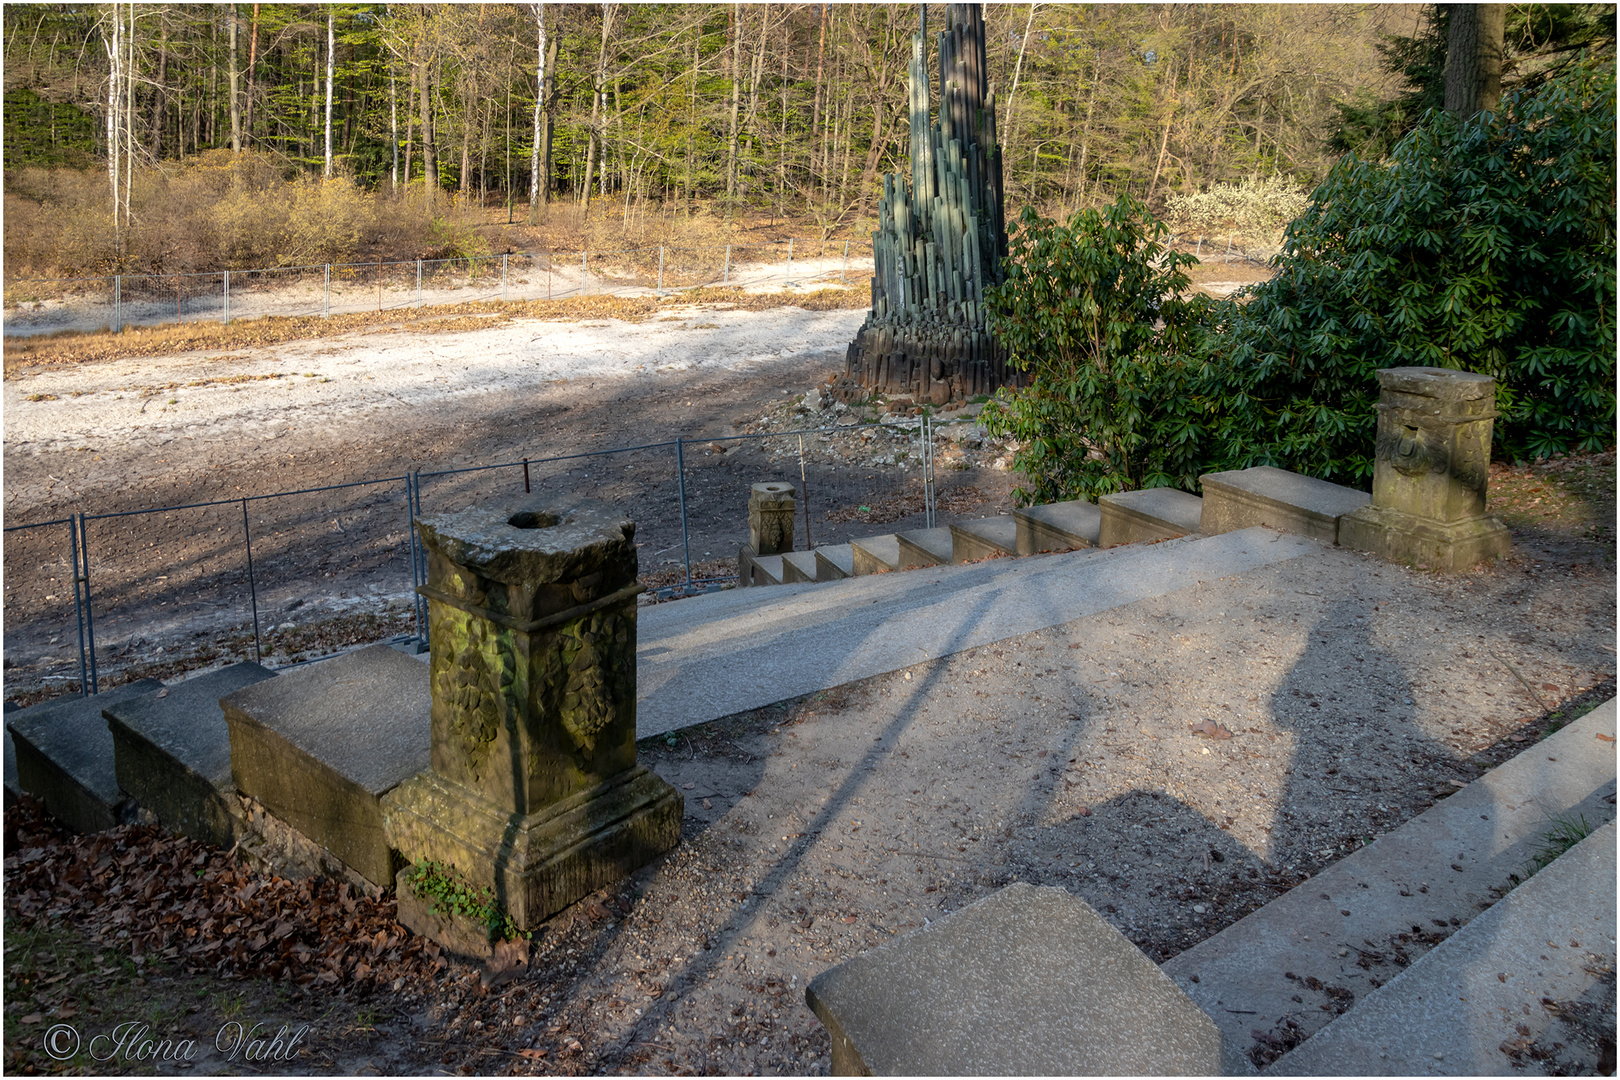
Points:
[(115, 75), (539, 101), (430, 165), (815, 107), (736, 104), (1474, 58), (393, 127), (331, 54), (410, 124), (595, 154), (253, 62), (546, 124), (236, 104)]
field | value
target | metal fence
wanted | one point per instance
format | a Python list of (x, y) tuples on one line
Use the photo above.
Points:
[(51, 305), (218, 560)]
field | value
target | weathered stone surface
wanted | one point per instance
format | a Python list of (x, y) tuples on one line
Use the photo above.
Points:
[(875, 554), (924, 547), (834, 562), (798, 566), (1130, 517), (770, 517), (65, 756), (984, 537), (1029, 981), (1430, 472), (534, 788), (540, 863), (172, 753), (320, 745), (460, 934), (1277, 499), (757, 569), (1059, 526)]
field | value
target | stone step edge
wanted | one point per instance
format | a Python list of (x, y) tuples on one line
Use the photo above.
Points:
[(1419, 1019)]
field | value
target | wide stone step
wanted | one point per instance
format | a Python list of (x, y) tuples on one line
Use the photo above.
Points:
[(1341, 934), (1060, 526), (924, 547), (64, 755), (172, 752), (982, 538), (1152, 514), (798, 566), (1490, 999), (758, 569), (1278, 499), (875, 554), (835, 562), (320, 745)]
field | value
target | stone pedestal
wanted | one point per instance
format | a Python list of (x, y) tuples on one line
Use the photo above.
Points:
[(534, 790), (770, 518), (1432, 464)]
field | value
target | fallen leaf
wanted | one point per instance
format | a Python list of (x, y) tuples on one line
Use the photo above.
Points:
[(532, 1054), (1605, 738), (688, 787), (31, 1018), (1211, 729)]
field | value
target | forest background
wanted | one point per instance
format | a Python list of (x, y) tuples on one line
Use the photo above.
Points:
[(190, 137)]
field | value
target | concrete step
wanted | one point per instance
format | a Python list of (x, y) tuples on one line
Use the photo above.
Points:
[(983, 538), (1278, 499), (1060, 526), (875, 554), (64, 755), (758, 569), (1474, 1004), (172, 752), (320, 745), (711, 656), (1152, 514), (835, 562), (1342, 934), (924, 547), (798, 566)]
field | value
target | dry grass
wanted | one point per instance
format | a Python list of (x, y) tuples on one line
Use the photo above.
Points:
[(80, 348)]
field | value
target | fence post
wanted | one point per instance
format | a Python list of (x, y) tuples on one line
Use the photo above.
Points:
[(379, 284), (253, 588), (78, 609), (179, 317), (584, 269), (725, 275), (227, 298), (418, 282), (843, 275), (118, 303), (89, 613), (326, 305), (410, 532), (503, 278), (660, 271), (787, 282), (525, 476), (680, 477)]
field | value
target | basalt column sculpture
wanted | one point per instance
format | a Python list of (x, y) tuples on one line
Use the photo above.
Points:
[(941, 235), (534, 792)]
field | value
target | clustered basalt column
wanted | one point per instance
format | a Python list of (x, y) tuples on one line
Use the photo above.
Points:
[(1430, 472), (941, 238), (534, 790)]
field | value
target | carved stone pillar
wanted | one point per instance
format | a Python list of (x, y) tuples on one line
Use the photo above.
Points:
[(534, 790), (770, 518), (1430, 473)]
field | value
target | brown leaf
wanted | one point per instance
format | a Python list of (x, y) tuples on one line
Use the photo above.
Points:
[(532, 1054), (1605, 738), (1211, 729)]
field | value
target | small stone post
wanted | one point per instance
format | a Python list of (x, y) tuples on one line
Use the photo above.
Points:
[(770, 518), (534, 791), (1430, 472)]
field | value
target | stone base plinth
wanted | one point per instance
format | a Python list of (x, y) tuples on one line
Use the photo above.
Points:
[(539, 864), (1416, 541)]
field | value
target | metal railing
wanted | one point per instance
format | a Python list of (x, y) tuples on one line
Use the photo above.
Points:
[(199, 557), (50, 305)]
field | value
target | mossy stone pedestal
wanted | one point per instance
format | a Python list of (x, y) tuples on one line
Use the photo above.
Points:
[(534, 791), (770, 518), (1430, 472)]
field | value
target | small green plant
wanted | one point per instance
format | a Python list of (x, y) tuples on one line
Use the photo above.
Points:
[(452, 895), (1563, 832)]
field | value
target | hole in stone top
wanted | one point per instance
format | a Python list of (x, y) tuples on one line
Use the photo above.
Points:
[(532, 519)]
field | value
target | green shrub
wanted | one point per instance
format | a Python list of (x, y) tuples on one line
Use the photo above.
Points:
[(1091, 310), (1485, 244)]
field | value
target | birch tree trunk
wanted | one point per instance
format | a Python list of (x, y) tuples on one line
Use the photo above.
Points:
[(539, 103), (331, 54), (115, 76), (236, 104)]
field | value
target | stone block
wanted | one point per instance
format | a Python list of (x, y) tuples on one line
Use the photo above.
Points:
[(984, 537), (770, 517), (1061, 526), (757, 569), (798, 566), (1277, 499), (172, 753), (1130, 517), (834, 562), (65, 756), (1432, 545), (875, 554), (320, 745), (924, 547), (1029, 981)]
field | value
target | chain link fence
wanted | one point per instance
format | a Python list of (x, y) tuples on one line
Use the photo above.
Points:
[(88, 304)]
